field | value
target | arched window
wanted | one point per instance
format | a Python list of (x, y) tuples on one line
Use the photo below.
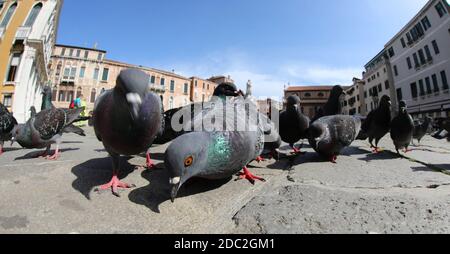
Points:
[(93, 94), (33, 15), (307, 95), (321, 95), (8, 15)]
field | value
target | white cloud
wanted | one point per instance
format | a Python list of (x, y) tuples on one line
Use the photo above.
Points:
[(322, 75)]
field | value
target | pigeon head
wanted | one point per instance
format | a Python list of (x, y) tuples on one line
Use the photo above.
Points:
[(293, 101), (33, 111), (47, 91), (336, 92), (402, 107), (19, 135), (186, 157), (385, 102), (227, 89), (132, 84)]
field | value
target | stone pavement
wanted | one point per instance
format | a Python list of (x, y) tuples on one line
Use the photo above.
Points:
[(363, 193)]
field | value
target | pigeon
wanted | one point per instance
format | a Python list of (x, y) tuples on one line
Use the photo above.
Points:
[(178, 115), (377, 123), (402, 128), (421, 129), (33, 111), (126, 120), (8, 126), (330, 134), (216, 153), (333, 105), (443, 127), (293, 124), (48, 104), (44, 129), (272, 139)]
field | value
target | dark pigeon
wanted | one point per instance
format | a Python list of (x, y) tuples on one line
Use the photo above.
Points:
[(216, 153), (330, 134), (8, 125), (443, 127), (333, 105), (127, 119), (168, 133), (293, 124), (402, 128), (272, 139), (44, 129), (48, 104), (377, 123), (421, 129)]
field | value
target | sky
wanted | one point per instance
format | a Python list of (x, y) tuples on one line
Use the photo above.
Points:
[(274, 43)]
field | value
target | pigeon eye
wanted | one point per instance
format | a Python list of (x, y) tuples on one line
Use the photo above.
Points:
[(188, 161)]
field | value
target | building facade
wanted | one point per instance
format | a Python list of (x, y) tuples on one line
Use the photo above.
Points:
[(378, 81), (76, 71), (353, 102), (419, 56), (311, 97), (27, 35)]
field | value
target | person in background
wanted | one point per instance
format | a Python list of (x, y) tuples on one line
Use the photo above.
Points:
[(81, 103)]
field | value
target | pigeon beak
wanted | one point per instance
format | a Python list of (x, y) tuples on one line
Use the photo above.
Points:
[(174, 192)]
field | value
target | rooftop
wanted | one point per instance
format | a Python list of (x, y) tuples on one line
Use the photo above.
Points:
[(308, 88)]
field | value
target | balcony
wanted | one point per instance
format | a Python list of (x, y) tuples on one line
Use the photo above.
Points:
[(157, 88), (23, 33)]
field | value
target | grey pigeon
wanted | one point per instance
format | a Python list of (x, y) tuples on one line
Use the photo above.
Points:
[(293, 124), (330, 134), (44, 129), (127, 119), (420, 129), (216, 153), (272, 139), (8, 125), (333, 105), (402, 128), (377, 123)]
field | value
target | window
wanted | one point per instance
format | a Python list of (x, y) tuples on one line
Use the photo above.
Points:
[(321, 95), (395, 70), (105, 74), (69, 96), (435, 83), (33, 15), (403, 42), (86, 54), (408, 61), (73, 72), (163, 81), (440, 9), (13, 66), (7, 100), (413, 89), (444, 80), (62, 96), (408, 36), (435, 47), (152, 79), (78, 92), (421, 87), (99, 57), (365, 94), (8, 15), (1, 5), (428, 52), (380, 88), (426, 23), (307, 95), (82, 72), (78, 53), (58, 69), (203, 85), (71, 52), (391, 52), (399, 94), (386, 85), (416, 60), (96, 71), (63, 52), (171, 102), (196, 83), (186, 88), (172, 86), (421, 57), (428, 85), (93, 94)]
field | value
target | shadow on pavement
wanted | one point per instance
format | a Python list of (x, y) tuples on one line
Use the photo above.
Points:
[(158, 191), (32, 155), (445, 168), (96, 172), (385, 155)]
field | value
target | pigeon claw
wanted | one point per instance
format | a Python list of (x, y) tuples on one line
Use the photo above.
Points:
[(53, 157), (114, 185), (249, 176), (407, 150), (260, 159), (297, 151), (149, 162), (376, 150)]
